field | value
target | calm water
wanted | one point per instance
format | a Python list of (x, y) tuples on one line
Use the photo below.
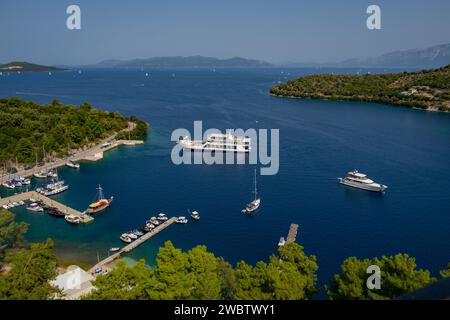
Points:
[(320, 140)]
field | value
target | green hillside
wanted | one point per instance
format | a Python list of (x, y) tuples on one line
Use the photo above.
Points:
[(428, 89), (26, 66)]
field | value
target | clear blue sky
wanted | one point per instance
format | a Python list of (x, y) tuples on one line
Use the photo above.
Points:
[(275, 30)]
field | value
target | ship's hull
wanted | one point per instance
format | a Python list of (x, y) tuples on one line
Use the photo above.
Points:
[(99, 209), (253, 206), (201, 148), (55, 192), (374, 187)]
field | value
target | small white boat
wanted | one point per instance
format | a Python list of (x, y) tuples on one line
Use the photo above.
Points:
[(282, 242), (72, 219), (9, 185), (359, 180), (195, 215), (162, 217), (115, 249), (5, 207), (32, 200), (181, 220), (52, 174), (35, 207), (72, 164), (21, 203), (131, 235), (126, 238), (53, 191), (40, 175), (15, 204)]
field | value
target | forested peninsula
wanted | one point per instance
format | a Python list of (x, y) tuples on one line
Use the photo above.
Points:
[(30, 132), (427, 89)]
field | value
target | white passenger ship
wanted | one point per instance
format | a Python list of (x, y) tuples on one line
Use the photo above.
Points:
[(219, 142), (359, 180)]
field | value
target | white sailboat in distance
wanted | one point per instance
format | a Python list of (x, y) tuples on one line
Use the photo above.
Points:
[(254, 205)]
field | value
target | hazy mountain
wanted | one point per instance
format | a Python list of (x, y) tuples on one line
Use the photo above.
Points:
[(432, 57), (178, 61), (26, 66)]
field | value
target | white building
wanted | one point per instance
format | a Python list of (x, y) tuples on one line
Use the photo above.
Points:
[(74, 283)]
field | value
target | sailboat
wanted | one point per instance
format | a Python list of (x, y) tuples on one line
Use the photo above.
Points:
[(101, 203), (42, 174), (254, 205)]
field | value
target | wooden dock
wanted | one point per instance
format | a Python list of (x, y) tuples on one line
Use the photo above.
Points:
[(292, 235), (48, 201), (133, 245)]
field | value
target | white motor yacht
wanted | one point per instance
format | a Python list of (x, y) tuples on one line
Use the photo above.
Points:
[(359, 180)]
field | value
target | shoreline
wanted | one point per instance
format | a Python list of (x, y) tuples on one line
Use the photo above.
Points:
[(356, 100), (93, 153)]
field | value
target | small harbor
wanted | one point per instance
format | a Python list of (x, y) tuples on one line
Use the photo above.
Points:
[(133, 245), (26, 196)]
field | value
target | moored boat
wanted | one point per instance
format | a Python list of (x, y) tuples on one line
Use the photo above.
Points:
[(35, 207), (72, 164), (126, 238), (162, 217), (9, 185), (181, 220), (72, 219), (101, 203), (41, 174), (132, 235), (55, 212)]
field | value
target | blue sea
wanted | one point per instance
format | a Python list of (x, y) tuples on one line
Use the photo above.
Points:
[(408, 150)]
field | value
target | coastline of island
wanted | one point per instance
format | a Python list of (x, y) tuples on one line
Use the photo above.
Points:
[(425, 90)]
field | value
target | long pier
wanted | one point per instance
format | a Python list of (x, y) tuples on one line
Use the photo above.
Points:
[(292, 235), (133, 245), (48, 201)]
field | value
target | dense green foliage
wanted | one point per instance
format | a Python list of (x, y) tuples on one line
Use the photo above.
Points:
[(424, 89), (446, 272), (198, 274), (398, 276), (290, 275), (11, 233), (31, 270), (137, 133), (27, 129), (28, 269)]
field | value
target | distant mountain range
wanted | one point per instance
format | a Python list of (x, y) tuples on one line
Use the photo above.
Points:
[(26, 66), (178, 61), (432, 57)]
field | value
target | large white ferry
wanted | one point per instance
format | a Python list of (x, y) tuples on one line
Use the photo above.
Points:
[(360, 180), (219, 142)]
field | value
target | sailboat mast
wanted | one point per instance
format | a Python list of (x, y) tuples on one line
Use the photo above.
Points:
[(100, 193), (256, 191)]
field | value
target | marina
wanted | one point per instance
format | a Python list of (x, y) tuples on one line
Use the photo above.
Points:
[(92, 154), (133, 245), (26, 196)]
